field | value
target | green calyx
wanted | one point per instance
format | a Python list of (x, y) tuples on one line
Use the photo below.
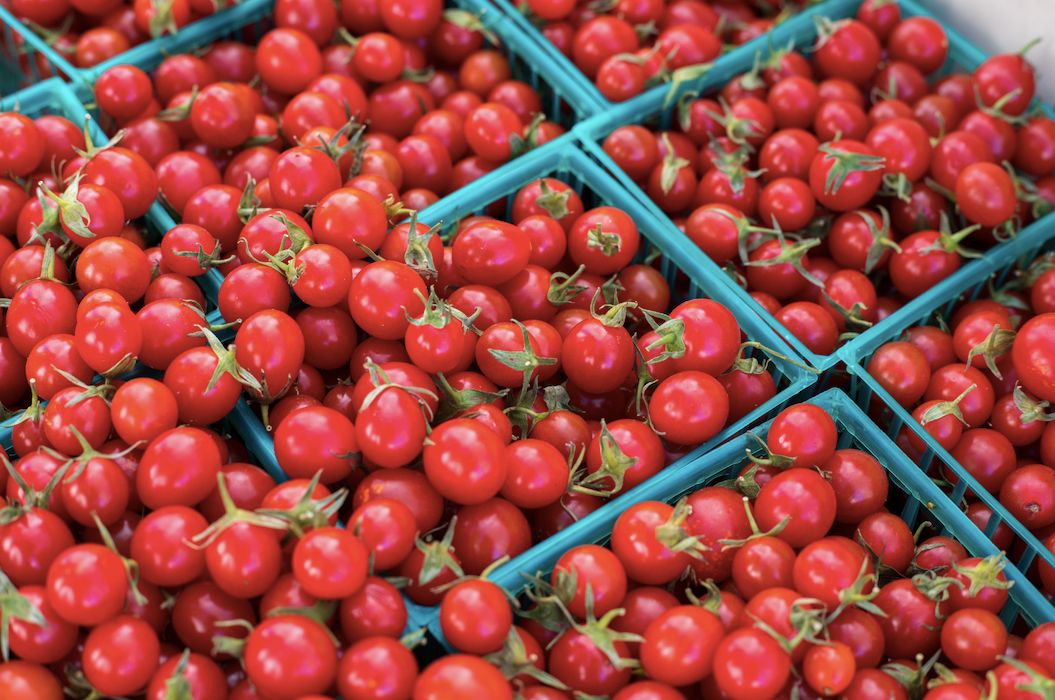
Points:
[(78, 463), (519, 145), (845, 163), (681, 76), (179, 112), (914, 679), (554, 202), (770, 459), (513, 660), (985, 574), (307, 513), (756, 533), (672, 165), (608, 243), (131, 565), (526, 360), (996, 345), (90, 149), (233, 514), (72, 213), (670, 334), (950, 242), (206, 260), (227, 364), (615, 314), (562, 287), (881, 240), (15, 606), (792, 254), (737, 129), (249, 204), (230, 646), (31, 498), (50, 222), (946, 408), (471, 22), (454, 401), (733, 164), (438, 556), (418, 256), (614, 465), (855, 595), (163, 21), (437, 313), (645, 381), (674, 537), (177, 686), (1031, 409), (600, 633), (852, 317)]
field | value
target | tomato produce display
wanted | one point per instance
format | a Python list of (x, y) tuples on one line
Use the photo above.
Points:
[(346, 355), (839, 186)]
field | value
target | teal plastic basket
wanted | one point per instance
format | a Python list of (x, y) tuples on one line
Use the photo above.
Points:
[(864, 388), (916, 498), (738, 60), (654, 108)]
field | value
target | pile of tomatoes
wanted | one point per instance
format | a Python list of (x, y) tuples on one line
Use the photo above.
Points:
[(625, 47), (443, 111), (981, 386), (792, 581), (830, 187)]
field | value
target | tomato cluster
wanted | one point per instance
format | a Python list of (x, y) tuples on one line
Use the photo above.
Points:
[(981, 386), (783, 584), (829, 186), (627, 46), (443, 111)]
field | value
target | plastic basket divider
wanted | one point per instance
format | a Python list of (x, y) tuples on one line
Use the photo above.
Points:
[(924, 501), (961, 52)]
